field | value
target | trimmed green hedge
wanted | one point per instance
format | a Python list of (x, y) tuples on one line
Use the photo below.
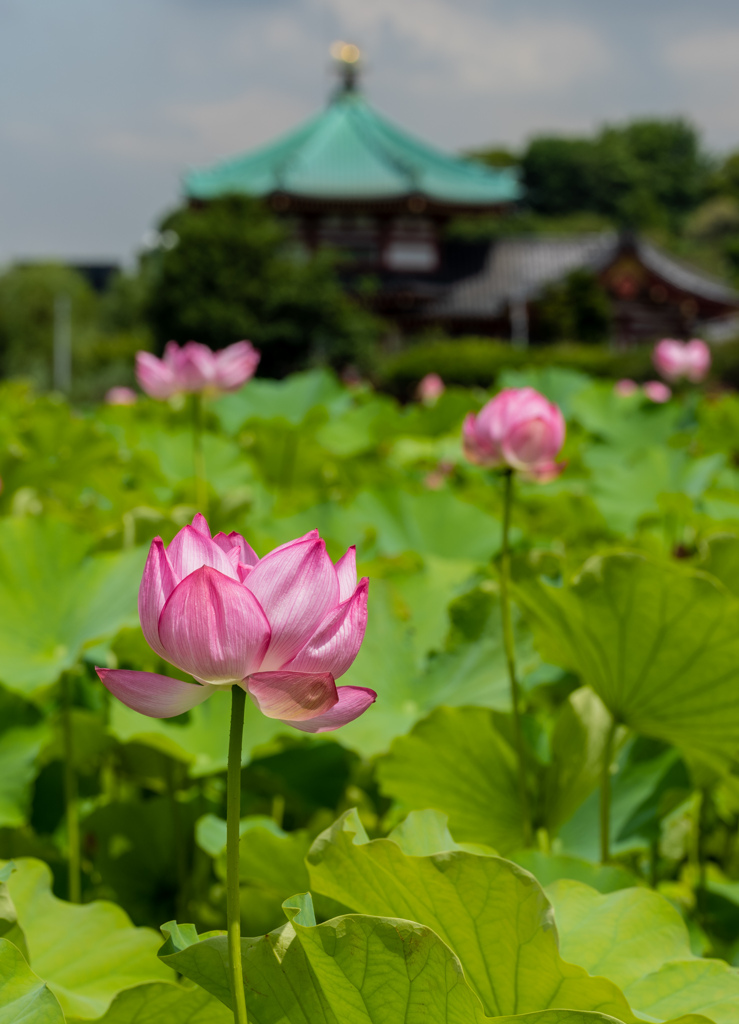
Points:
[(478, 361)]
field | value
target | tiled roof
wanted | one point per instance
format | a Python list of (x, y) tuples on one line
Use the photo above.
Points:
[(350, 152), (519, 269)]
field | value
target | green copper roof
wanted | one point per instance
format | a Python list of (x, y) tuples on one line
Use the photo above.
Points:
[(350, 152)]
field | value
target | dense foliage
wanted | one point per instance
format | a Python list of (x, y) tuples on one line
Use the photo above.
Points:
[(405, 826), (229, 273)]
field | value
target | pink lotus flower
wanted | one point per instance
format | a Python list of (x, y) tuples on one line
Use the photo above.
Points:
[(677, 359), (625, 387), (121, 396), (656, 391), (519, 428), (284, 627), (430, 388), (194, 368)]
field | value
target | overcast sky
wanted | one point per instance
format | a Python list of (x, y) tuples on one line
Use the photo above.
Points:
[(105, 102)]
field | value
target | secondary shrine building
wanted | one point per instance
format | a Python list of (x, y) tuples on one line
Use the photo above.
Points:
[(351, 180)]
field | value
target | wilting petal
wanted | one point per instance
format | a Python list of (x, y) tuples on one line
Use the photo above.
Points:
[(151, 694), (213, 627), (296, 586), (190, 550), (346, 570), (336, 642), (294, 695), (227, 542), (157, 584), (353, 702)]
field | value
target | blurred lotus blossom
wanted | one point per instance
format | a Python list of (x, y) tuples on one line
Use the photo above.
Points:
[(121, 396), (625, 387), (676, 359), (519, 428), (283, 627), (195, 368), (430, 389), (656, 391)]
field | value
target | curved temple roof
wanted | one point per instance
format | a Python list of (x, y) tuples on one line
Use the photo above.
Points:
[(348, 153)]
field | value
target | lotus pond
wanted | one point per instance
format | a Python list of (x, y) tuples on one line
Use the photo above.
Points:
[(389, 871)]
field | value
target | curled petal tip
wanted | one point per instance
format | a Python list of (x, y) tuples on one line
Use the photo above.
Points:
[(353, 701)]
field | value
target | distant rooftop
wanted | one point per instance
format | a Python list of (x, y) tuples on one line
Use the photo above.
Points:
[(519, 269), (349, 153)]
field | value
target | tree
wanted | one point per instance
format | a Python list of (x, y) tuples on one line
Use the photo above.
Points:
[(576, 309), (27, 297), (228, 272), (643, 173)]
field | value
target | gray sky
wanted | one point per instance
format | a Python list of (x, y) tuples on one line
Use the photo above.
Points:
[(105, 102)]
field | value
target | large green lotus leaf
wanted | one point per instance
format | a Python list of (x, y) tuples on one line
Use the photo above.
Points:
[(721, 559), (423, 833), (201, 739), (55, 600), (86, 954), (548, 868), (166, 1003), (9, 927), (627, 486), (394, 521), (621, 935), (706, 987), (578, 744), (637, 789), (24, 998), (291, 399), (624, 423), (658, 644), (490, 912), (19, 752), (457, 762), (472, 669), (225, 464), (636, 938), (353, 970)]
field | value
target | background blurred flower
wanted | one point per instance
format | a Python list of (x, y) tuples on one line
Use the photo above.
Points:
[(283, 627), (656, 391), (676, 359), (121, 396), (194, 368), (430, 389), (625, 387), (519, 428)]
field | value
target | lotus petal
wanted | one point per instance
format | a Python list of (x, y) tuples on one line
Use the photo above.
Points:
[(213, 627), (295, 695), (151, 694), (353, 702)]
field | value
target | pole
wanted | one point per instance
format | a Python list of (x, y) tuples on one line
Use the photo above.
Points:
[(63, 343)]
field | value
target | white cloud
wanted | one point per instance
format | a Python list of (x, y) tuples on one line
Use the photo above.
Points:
[(187, 134), (711, 52), (482, 52)]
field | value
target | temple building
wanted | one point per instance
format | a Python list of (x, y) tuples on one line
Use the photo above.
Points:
[(351, 180)]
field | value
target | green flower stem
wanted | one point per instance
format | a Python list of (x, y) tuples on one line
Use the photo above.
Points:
[(71, 800), (233, 816), (198, 459), (605, 794), (510, 655)]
